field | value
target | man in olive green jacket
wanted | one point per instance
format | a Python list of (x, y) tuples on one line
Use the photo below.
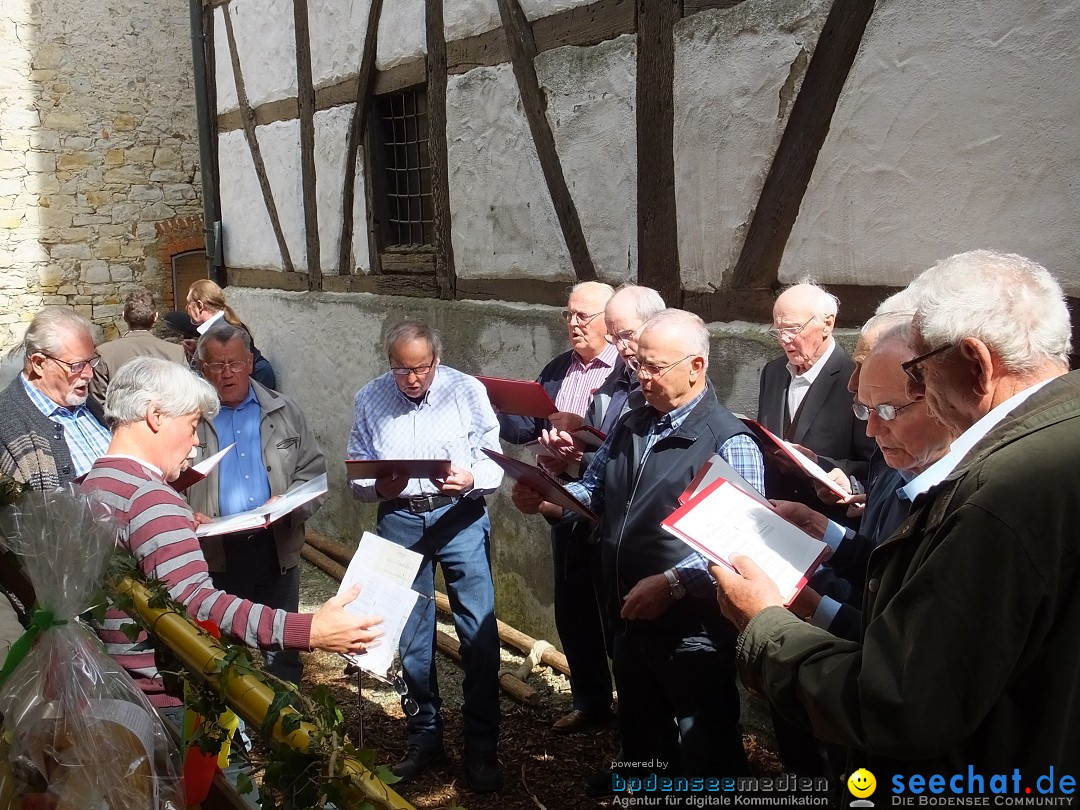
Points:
[(970, 654)]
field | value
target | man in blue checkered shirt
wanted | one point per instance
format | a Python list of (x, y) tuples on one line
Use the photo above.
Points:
[(673, 656)]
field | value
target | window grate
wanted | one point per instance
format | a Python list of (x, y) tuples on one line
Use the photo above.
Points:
[(407, 167)]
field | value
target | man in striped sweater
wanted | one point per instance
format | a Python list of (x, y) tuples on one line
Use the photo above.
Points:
[(154, 406)]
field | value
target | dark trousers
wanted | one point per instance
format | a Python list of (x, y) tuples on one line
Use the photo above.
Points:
[(678, 704), (578, 617), (252, 572)]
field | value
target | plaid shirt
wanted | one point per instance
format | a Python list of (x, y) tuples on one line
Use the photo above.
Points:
[(740, 451), (85, 436)]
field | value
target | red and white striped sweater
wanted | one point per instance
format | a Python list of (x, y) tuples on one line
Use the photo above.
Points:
[(160, 531)]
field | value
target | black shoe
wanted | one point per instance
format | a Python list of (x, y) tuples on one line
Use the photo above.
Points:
[(417, 760), (482, 771)]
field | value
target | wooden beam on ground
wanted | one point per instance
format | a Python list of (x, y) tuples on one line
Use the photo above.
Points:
[(657, 222), (521, 692), (522, 47), (807, 125)]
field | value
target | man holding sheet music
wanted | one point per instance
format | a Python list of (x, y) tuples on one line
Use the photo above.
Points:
[(968, 661), (673, 652), (421, 409), (275, 451)]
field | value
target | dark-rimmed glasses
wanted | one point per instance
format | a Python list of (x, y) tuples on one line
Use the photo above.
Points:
[(419, 371), (78, 366), (649, 371), (788, 331), (583, 318), (235, 367), (912, 368), (885, 412)]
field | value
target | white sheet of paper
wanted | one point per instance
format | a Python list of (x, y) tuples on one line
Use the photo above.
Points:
[(815, 471), (719, 468), (726, 523), (207, 464), (385, 572), (267, 513)]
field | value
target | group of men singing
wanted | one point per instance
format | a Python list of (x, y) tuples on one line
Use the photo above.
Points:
[(939, 634)]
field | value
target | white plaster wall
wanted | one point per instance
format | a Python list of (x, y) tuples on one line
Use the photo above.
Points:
[(737, 72), (331, 134), (534, 9), (280, 145), (402, 35), (590, 94), (467, 18), (224, 81), (338, 29), (266, 42), (956, 129), (503, 222), (360, 245)]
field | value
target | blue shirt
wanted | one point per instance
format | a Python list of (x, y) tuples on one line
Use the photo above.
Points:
[(740, 451), (242, 480), (86, 438), (454, 420)]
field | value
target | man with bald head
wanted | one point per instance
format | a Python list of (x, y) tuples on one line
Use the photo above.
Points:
[(967, 661), (803, 395), (672, 650)]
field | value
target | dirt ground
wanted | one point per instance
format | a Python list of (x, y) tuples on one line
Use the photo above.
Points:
[(544, 770)]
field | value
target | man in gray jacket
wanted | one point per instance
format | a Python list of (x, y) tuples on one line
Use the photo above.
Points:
[(275, 450)]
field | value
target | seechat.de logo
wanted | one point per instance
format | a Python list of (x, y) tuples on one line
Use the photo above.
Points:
[(862, 785)]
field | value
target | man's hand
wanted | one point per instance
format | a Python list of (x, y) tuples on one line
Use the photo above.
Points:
[(829, 496), (648, 599), (806, 451), (745, 592), (565, 421), (525, 498), (801, 515), (552, 465), (335, 630), (389, 487), (458, 482), (200, 518), (561, 445)]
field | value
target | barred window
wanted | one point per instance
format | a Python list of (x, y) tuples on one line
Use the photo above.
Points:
[(403, 132)]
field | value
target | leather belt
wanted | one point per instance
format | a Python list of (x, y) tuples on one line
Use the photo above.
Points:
[(424, 503)]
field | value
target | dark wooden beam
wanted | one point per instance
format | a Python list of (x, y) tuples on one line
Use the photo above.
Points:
[(754, 304), (406, 285), (532, 291), (585, 25), (285, 109), (807, 126), (694, 6), (519, 39), (401, 77), (253, 144), (305, 94), (268, 279), (658, 238), (356, 133), (437, 150)]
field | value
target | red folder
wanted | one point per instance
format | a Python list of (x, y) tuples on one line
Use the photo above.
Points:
[(519, 397), (537, 479), (414, 468)]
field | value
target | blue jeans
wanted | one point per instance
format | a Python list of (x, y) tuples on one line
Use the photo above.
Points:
[(457, 538)]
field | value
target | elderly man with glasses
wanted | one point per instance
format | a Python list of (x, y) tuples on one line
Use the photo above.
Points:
[(49, 432), (423, 409), (673, 652), (275, 451), (968, 662), (803, 396)]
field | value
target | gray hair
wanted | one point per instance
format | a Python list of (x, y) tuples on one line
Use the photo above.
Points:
[(597, 286), (647, 301), (691, 327), (1010, 303), (50, 328), (222, 332), (903, 301), (824, 303), (884, 324), (175, 389), (140, 311), (408, 331)]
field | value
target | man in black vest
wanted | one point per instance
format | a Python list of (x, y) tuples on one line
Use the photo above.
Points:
[(673, 651)]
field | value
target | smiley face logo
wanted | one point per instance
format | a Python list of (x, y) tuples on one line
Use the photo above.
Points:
[(862, 783)]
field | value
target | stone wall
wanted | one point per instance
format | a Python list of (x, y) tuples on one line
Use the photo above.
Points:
[(97, 145)]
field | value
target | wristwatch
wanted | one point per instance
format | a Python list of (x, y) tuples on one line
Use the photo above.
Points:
[(676, 590)]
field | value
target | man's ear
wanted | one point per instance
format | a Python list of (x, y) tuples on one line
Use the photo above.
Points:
[(153, 417), (698, 364), (829, 324), (982, 365)]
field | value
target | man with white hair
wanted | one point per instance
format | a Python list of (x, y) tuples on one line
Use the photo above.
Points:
[(968, 662), (155, 406), (49, 433), (803, 396), (673, 651)]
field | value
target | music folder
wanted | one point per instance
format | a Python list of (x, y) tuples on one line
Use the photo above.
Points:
[(805, 465), (535, 478), (519, 397), (198, 472), (412, 467)]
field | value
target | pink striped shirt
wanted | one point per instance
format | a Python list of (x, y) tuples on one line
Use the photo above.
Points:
[(159, 530), (582, 380)]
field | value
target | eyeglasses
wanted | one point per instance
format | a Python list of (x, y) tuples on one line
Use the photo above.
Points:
[(623, 337), (78, 366), (788, 331), (913, 367), (583, 318), (885, 412), (235, 367), (419, 371), (650, 370)]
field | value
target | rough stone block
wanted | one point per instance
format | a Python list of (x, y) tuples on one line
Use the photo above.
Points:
[(140, 154), (81, 234), (109, 249), (44, 183), (114, 157), (73, 161), (50, 217), (64, 120), (44, 140), (179, 192), (165, 158), (124, 122), (96, 272), (168, 176), (11, 219), (156, 212), (125, 175), (11, 160), (80, 250), (145, 194)]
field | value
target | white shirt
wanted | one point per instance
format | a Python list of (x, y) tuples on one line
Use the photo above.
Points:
[(800, 383), (217, 316)]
